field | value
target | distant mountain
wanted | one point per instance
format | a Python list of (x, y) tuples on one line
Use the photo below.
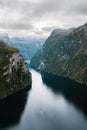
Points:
[(14, 74), (64, 53), (5, 38), (27, 46)]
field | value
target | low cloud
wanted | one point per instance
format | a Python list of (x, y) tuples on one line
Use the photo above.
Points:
[(23, 14), (47, 29), (17, 26)]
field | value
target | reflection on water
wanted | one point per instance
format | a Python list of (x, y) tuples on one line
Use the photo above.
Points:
[(12, 107), (73, 91), (53, 103)]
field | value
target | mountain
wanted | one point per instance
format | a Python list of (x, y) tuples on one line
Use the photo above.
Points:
[(14, 75), (27, 46), (5, 38), (64, 53)]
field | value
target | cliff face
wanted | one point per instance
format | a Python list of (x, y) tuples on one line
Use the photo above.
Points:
[(65, 53), (27, 46), (14, 74)]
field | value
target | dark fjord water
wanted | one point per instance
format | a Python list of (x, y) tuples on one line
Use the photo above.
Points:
[(53, 103)]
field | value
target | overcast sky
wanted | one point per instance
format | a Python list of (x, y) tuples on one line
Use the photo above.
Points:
[(40, 17)]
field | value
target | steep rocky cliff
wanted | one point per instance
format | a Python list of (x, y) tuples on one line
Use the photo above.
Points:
[(27, 46), (14, 74), (64, 53)]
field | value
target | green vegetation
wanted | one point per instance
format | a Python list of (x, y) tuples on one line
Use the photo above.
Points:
[(16, 80), (65, 54)]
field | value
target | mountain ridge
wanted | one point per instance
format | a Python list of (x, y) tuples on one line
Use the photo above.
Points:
[(65, 54), (27, 46)]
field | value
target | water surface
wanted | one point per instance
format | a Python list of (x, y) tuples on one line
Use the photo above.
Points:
[(53, 103)]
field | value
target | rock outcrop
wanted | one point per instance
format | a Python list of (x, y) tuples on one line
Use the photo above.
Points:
[(14, 74), (27, 46)]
